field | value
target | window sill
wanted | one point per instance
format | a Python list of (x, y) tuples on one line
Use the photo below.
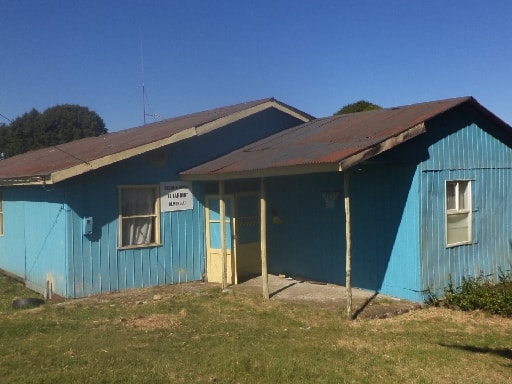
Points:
[(459, 244), (139, 246)]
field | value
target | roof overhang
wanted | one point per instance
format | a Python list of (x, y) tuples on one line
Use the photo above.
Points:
[(302, 169), (381, 147), (87, 166)]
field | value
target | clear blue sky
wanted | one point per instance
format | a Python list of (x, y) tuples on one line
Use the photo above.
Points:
[(314, 55)]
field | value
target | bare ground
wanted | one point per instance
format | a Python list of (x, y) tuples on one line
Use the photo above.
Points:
[(365, 304)]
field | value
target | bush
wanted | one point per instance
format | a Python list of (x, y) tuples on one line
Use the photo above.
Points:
[(481, 293)]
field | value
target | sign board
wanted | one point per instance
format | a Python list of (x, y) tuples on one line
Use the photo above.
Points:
[(176, 196)]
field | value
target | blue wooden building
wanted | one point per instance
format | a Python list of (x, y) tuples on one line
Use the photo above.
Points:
[(109, 213), (429, 189)]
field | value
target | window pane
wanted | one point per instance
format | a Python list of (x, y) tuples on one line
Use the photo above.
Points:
[(450, 196), (457, 228), (138, 201), (138, 231), (215, 237), (463, 195)]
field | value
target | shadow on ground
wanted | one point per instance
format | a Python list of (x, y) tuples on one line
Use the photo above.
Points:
[(365, 304)]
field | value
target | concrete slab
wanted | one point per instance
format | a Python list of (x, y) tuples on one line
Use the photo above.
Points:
[(366, 304)]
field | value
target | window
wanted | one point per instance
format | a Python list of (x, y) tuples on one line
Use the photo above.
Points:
[(458, 212), (139, 216)]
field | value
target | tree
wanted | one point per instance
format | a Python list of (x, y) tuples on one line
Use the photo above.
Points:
[(56, 125), (358, 106)]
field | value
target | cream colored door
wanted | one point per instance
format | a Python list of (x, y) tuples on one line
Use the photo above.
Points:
[(213, 240), (248, 246)]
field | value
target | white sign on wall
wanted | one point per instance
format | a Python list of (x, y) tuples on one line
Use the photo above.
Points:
[(176, 196)]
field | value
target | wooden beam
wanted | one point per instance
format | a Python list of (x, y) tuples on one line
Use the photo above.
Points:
[(263, 237), (222, 208), (348, 244)]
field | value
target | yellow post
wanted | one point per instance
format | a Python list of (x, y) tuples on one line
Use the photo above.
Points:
[(348, 240), (222, 208), (263, 238)]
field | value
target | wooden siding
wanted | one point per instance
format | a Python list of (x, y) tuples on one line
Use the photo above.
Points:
[(95, 262), (44, 238), (474, 151), (385, 234), (310, 241), (33, 246)]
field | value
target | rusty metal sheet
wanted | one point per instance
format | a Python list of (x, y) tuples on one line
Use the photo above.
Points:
[(329, 140), (43, 162)]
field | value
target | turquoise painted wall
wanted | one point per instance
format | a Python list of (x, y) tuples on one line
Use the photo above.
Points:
[(466, 146), (310, 241), (385, 229), (96, 265), (398, 213), (44, 227), (33, 246)]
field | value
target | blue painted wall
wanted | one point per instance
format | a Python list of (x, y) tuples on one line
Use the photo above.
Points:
[(398, 213), (464, 145), (385, 229), (44, 227), (310, 241), (33, 246)]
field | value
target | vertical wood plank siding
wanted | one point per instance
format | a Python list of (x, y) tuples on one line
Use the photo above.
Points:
[(386, 229), (97, 265), (472, 152), (33, 246), (309, 242)]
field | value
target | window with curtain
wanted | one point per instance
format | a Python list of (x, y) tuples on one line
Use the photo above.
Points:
[(458, 212), (139, 216)]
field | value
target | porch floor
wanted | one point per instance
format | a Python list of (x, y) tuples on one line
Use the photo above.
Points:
[(365, 304)]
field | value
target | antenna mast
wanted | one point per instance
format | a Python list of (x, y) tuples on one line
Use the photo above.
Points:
[(145, 101)]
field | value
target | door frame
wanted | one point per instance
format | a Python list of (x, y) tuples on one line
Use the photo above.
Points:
[(214, 252)]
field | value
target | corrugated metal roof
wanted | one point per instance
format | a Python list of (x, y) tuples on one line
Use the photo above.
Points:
[(329, 144), (53, 164)]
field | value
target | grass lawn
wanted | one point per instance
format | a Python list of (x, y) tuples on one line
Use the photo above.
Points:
[(194, 333)]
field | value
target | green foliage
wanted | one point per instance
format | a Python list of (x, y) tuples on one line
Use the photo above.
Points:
[(481, 293), (56, 125), (358, 106)]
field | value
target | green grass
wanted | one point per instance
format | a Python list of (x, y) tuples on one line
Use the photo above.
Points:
[(197, 334)]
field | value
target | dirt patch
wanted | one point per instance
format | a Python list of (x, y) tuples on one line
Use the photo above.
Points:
[(144, 295), (365, 304), (152, 322)]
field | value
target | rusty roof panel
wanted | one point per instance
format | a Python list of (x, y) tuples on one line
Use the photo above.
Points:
[(329, 141), (42, 163)]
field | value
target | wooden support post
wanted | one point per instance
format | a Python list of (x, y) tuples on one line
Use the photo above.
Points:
[(222, 209), (263, 238), (348, 241)]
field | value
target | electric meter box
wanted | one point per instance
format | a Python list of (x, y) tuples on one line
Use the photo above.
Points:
[(88, 224)]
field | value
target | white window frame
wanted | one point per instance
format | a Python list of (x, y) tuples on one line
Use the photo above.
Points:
[(460, 207), (154, 218)]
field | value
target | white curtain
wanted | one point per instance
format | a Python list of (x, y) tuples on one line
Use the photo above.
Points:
[(138, 202)]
